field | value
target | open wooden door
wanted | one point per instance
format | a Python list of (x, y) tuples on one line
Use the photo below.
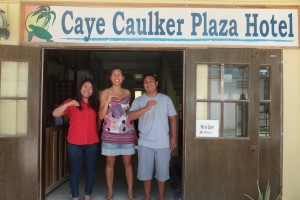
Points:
[(221, 152), (19, 122), (270, 120)]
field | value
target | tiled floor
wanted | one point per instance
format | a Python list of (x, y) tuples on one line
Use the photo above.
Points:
[(120, 191)]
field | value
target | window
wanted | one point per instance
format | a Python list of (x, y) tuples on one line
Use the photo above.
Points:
[(264, 98), (13, 98), (222, 96)]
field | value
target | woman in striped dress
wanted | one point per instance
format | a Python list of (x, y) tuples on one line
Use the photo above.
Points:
[(118, 134)]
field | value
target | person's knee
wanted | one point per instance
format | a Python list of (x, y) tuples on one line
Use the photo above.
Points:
[(110, 163), (127, 161), (128, 164)]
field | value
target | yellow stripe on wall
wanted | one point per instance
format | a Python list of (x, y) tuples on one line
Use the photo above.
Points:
[(183, 2)]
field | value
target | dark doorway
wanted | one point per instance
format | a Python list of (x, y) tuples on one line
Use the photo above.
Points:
[(65, 68)]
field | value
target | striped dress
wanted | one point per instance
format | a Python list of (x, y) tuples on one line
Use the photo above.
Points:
[(117, 129)]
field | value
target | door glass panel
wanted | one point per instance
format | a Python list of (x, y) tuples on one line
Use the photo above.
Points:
[(222, 94), (13, 119), (13, 98), (14, 79), (21, 117), (208, 82), (208, 119), (264, 119), (236, 82), (208, 111), (235, 119), (265, 100), (264, 83)]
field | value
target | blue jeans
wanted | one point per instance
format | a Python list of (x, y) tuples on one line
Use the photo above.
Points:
[(79, 154)]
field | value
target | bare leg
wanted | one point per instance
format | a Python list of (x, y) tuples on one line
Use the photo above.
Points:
[(127, 160), (147, 189), (109, 172), (161, 190)]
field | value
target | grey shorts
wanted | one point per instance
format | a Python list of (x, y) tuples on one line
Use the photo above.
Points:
[(150, 160)]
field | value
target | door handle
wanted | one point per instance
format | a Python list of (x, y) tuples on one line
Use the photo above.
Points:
[(254, 147)]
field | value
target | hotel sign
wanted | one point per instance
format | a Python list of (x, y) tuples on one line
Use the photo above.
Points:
[(181, 26)]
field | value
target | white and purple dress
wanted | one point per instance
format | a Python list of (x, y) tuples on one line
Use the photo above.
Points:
[(118, 135)]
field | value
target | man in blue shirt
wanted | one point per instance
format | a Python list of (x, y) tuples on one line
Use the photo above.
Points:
[(156, 113)]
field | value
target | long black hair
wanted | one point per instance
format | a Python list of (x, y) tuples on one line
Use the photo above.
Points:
[(93, 100)]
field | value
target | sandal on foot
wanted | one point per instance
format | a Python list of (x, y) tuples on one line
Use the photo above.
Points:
[(107, 197), (132, 197)]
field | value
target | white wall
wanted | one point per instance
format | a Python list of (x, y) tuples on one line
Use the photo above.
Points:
[(291, 124)]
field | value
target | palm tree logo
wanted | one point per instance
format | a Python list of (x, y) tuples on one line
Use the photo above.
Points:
[(37, 23)]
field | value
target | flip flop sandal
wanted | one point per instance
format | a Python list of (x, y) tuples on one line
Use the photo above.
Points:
[(108, 197), (132, 197)]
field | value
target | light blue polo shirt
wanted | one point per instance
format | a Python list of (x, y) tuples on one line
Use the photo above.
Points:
[(154, 124)]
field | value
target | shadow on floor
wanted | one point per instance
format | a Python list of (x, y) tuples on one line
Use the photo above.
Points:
[(173, 186)]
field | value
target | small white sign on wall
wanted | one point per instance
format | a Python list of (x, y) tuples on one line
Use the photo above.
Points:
[(207, 128)]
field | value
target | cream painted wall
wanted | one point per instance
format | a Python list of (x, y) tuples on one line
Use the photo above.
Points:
[(191, 2), (291, 124), (12, 12)]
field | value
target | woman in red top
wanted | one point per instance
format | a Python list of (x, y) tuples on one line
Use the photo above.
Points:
[(82, 137)]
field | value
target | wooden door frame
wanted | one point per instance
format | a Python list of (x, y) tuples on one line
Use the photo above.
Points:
[(21, 154), (269, 148), (190, 162)]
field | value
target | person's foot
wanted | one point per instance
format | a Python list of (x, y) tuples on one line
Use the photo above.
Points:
[(161, 198), (108, 197), (131, 197), (87, 197)]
